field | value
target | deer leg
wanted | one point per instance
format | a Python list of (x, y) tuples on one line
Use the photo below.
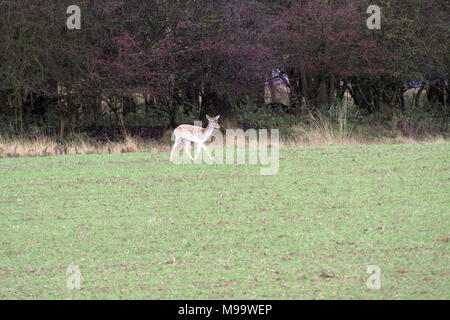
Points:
[(186, 148), (198, 151), (207, 152), (175, 145)]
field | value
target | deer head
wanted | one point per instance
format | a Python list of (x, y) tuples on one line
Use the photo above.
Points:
[(213, 121)]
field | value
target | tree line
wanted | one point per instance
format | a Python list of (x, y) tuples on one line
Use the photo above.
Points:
[(163, 62)]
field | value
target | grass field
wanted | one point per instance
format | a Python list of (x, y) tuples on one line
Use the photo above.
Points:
[(140, 227)]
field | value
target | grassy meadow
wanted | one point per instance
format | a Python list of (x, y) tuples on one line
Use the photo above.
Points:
[(140, 227)]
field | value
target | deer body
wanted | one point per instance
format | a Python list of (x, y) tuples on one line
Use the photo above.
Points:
[(198, 135)]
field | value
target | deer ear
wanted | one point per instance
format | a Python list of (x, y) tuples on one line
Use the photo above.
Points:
[(217, 118), (208, 117)]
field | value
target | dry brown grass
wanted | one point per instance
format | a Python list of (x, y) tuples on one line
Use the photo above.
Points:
[(321, 138), (319, 133), (45, 146)]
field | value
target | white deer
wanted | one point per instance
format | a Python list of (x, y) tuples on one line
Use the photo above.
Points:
[(195, 134)]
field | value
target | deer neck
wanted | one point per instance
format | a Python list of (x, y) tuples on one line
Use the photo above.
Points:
[(207, 132)]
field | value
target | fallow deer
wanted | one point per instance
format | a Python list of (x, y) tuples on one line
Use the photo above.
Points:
[(198, 135)]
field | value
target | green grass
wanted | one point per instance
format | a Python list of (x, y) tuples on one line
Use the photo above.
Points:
[(140, 227)]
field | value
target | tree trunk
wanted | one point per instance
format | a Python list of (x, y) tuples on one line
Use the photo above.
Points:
[(62, 123)]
